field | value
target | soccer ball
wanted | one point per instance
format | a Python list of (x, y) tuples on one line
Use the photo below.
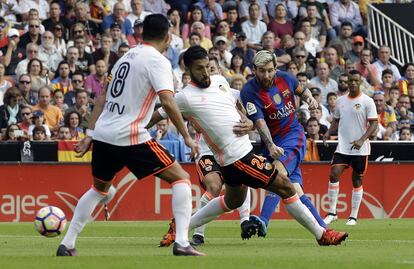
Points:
[(50, 221)]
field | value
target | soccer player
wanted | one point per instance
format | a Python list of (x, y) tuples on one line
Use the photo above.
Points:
[(211, 108), (269, 99), (120, 138), (354, 112), (211, 180)]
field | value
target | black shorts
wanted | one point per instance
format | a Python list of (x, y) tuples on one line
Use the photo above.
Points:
[(358, 163), (142, 160), (206, 165), (251, 170)]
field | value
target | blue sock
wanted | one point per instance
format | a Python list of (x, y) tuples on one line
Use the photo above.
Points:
[(305, 200), (269, 205)]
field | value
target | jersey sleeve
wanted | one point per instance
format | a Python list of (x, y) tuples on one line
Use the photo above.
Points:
[(182, 103), (251, 104), (336, 113), (160, 75), (371, 110)]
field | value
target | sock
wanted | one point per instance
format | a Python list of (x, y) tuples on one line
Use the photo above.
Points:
[(333, 191), (181, 206), (212, 210), (83, 212), (305, 200), (269, 205), (356, 201), (111, 194), (205, 199), (244, 209), (302, 214)]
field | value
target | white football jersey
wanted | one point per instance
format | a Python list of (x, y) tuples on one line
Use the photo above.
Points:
[(130, 99), (212, 111), (353, 115)]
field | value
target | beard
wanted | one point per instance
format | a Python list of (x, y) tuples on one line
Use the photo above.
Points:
[(202, 83), (342, 89), (264, 83)]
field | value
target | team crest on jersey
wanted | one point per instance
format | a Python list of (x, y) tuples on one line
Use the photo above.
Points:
[(251, 108), (223, 88), (268, 166), (286, 93), (208, 168), (357, 106), (277, 98)]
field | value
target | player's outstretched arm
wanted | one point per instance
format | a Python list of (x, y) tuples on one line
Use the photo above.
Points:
[(171, 108), (274, 151)]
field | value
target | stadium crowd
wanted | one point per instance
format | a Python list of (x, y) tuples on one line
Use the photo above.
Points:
[(55, 57)]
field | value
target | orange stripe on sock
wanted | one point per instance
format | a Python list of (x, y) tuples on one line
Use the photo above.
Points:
[(100, 192), (291, 199), (357, 189), (333, 187), (209, 195), (223, 204), (186, 181)]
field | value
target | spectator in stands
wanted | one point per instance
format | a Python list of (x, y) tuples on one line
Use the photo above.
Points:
[(268, 41), (300, 56), (292, 68), (137, 12), (58, 100), (85, 61), (410, 90), (55, 18), (365, 87), (408, 75), (159, 6), (25, 86), (82, 107), (198, 27), (237, 67), (26, 115), (105, 53), (221, 43), (73, 120), (317, 113), (331, 104), (280, 25), (32, 51), (291, 7), (136, 38), (52, 113), (335, 69), (342, 84), (4, 84), (244, 10), (91, 28), (303, 79), (318, 28), (124, 48), (117, 37), (233, 20), (387, 121), (223, 29), (346, 10), (364, 66), (383, 62), (354, 55), (312, 134), (38, 120), (311, 44), (12, 54), (321, 12), (78, 30), (393, 96), (13, 133), (212, 11), (177, 42), (253, 27), (117, 16), (10, 110), (237, 82), (63, 133), (39, 134), (242, 48), (345, 39), (406, 134), (323, 81), (94, 83), (402, 109), (59, 34), (48, 53), (196, 15), (72, 58), (38, 75), (32, 36), (62, 81)]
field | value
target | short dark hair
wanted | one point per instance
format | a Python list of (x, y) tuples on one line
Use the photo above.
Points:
[(311, 4), (302, 74), (354, 72), (311, 119), (387, 72), (156, 27), (79, 73), (346, 23), (193, 54), (213, 58)]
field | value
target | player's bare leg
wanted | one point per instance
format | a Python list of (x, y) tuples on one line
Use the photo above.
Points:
[(181, 206), (357, 193), (333, 192)]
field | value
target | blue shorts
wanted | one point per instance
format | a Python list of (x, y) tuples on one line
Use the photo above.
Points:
[(295, 149)]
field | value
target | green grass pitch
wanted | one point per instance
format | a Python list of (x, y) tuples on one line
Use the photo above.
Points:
[(371, 244)]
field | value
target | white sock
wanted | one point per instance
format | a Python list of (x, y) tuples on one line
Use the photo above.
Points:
[(204, 200), (212, 210), (302, 214), (357, 194), (110, 196), (333, 191), (83, 212), (181, 206), (244, 209)]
